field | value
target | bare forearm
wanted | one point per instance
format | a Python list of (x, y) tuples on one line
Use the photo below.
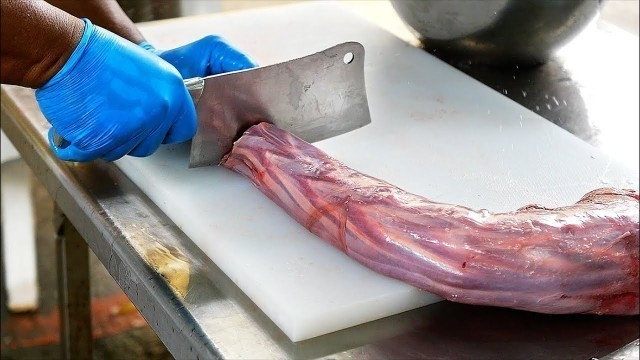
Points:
[(37, 39), (105, 13)]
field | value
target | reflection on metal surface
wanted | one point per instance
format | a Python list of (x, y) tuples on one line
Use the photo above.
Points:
[(455, 331), (171, 263), (628, 352), (547, 90), (497, 31), (584, 89), (603, 64), (314, 97), (452, 19), (195, 86)]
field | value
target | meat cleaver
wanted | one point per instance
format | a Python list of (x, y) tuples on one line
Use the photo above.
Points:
[(314, 97)]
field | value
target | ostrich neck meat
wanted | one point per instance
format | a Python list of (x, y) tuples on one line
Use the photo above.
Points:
[(580, 258)]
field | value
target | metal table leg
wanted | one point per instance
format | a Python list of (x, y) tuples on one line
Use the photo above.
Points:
[(74, 298)]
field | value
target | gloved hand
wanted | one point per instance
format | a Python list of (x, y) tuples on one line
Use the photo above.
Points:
[(113, 98), (207, 56)]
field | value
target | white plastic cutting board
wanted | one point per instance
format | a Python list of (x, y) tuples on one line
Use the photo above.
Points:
[(435, 132)]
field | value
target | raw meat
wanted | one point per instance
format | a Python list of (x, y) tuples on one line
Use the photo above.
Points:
[(582, 258)]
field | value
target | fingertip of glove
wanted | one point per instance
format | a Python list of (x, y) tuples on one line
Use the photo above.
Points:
[(226, 58), (67, 151), (234, 63), (71, 153), (247, 63)]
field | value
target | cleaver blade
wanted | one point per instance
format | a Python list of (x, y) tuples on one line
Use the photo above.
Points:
[(314, 97)]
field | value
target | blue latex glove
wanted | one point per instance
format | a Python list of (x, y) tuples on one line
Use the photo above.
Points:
[(113, 98), (208, 56)]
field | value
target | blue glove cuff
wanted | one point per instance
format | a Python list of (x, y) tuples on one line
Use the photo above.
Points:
[(75, 56)]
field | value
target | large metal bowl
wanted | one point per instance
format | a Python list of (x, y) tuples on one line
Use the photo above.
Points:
[(521, 32)]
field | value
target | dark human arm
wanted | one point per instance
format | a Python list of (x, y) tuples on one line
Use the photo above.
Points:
[(37, 39), (104, 13)]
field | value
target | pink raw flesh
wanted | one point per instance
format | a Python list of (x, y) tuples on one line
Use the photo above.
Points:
[(581, 258)]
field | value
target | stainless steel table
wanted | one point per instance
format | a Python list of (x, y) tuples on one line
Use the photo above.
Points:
[(212, 318)]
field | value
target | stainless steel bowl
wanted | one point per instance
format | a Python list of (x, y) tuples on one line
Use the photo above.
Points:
[(521, 32)]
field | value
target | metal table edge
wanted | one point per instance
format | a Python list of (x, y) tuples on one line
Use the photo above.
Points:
[(77, 205)]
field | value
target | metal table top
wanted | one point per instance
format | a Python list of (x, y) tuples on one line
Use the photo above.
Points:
[(213, 318)]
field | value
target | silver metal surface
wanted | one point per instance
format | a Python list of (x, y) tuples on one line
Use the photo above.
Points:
[(315, 97), (119, 224), (74, 296), (195, 86), (497, 31), (214, 319), (631, 351)]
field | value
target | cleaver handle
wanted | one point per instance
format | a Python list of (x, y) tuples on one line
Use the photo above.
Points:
[(194, 86)]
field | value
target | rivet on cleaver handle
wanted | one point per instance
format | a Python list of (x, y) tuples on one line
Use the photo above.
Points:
[(315, 97)]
